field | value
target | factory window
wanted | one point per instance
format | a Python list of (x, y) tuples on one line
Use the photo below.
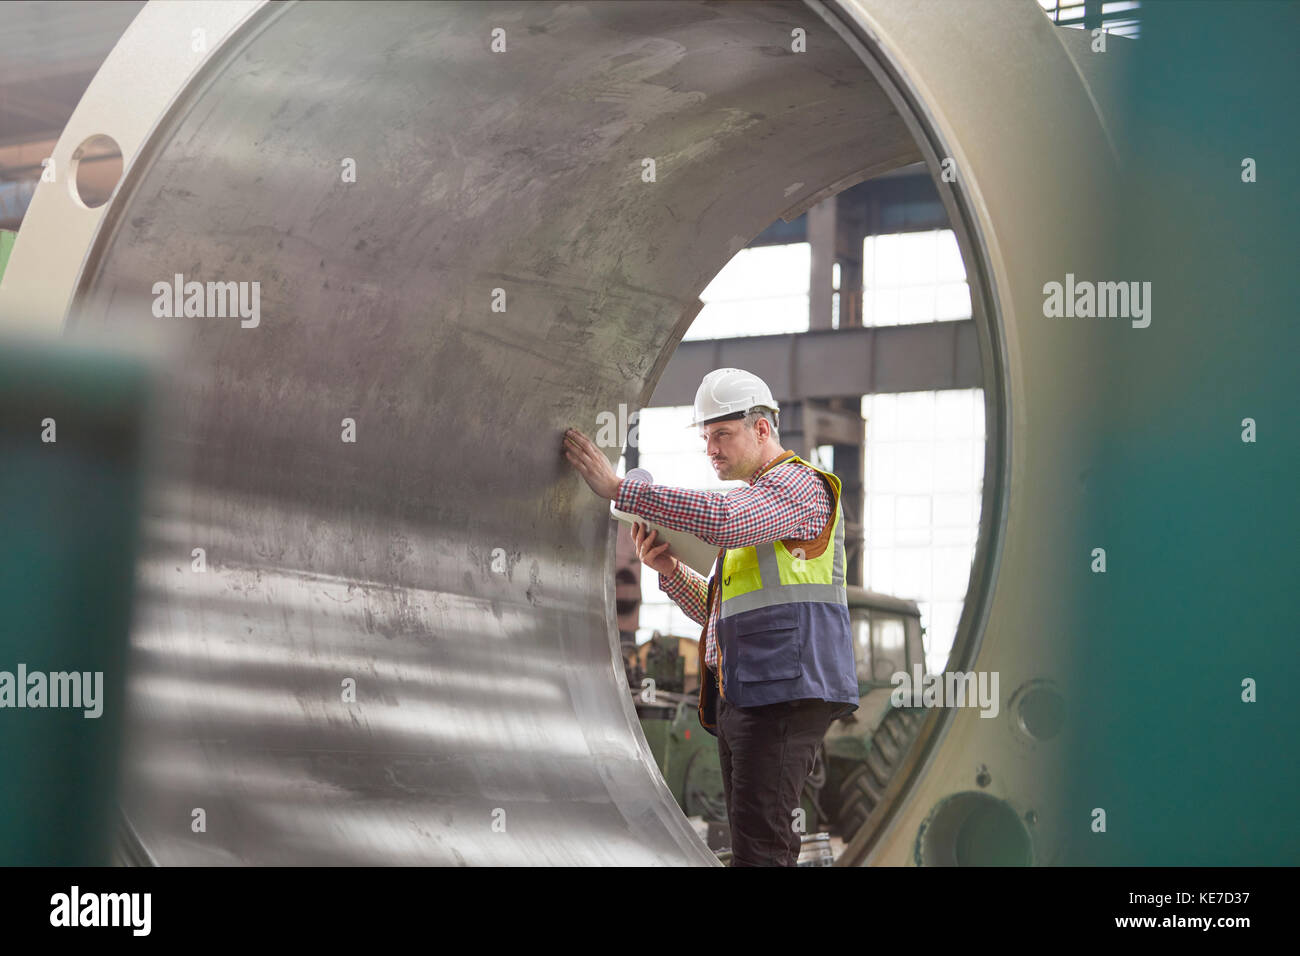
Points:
[(924, 478), (913, 277), (1121, 17), (761, 291)]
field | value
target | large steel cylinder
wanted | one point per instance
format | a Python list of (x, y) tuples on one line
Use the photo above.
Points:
[(474, 225)]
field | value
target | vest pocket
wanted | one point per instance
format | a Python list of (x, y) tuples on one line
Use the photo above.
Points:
[(768, 649)]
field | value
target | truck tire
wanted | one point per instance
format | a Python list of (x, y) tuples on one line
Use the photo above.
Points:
[(864, 787)]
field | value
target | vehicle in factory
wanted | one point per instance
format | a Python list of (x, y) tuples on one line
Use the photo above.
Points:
[(860, 752)]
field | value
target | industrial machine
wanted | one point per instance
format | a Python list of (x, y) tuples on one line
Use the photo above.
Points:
[(373, 615)]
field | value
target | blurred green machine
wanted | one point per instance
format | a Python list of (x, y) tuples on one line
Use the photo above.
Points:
[(859, 755), (73, 419)]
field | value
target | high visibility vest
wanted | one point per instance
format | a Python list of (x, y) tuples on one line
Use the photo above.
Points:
[(783, 628)]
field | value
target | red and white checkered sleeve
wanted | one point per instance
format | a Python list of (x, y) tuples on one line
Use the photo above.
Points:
[(688, 589), (781, 504)]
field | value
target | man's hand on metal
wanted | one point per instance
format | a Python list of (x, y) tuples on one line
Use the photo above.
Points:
[(652, 554), (591, 464)]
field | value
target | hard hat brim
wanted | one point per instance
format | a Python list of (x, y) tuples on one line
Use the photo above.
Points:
[(732, 416)]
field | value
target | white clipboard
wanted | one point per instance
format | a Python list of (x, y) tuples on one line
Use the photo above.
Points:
[(688, 549)]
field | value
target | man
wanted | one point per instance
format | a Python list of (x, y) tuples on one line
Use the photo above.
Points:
[(777, 650)]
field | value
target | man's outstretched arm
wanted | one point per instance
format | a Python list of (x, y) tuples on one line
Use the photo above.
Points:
[(786, 503)]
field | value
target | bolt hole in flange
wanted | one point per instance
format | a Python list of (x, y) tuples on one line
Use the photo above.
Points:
[(1039, 710), (95, 170), (973, 829)]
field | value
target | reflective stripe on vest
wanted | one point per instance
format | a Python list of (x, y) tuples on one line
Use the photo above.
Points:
[(769, 574)]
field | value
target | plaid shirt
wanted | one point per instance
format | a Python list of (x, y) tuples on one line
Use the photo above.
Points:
[(790, 501)]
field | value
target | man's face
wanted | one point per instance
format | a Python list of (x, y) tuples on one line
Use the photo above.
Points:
[(732, 448)]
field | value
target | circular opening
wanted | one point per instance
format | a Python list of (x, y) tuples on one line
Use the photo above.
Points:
[(95, 171), (973, 829), (1039, 710)]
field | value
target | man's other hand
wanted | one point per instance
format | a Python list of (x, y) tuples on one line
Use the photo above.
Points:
[(651, 553)]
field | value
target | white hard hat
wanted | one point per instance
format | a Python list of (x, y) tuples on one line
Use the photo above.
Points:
[(729, 393)]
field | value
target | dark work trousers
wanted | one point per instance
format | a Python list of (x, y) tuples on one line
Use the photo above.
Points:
[(767, 753)]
